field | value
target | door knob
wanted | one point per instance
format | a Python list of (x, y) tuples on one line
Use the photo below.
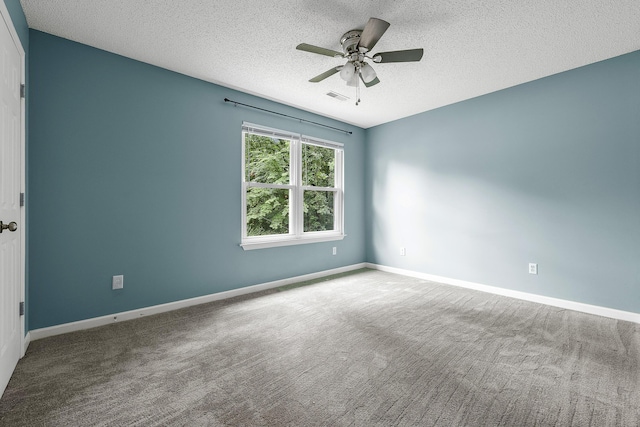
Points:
[(12, 226)]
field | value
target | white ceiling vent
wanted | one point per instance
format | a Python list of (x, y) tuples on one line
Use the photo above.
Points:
[(336, 95)]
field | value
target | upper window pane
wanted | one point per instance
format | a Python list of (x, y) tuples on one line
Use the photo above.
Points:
[(266, 159), (318, 166)]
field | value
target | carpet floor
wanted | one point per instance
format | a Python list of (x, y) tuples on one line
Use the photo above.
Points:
[(362, 349)]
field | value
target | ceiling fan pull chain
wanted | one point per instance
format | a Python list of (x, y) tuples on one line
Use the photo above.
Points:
[(358, 90)]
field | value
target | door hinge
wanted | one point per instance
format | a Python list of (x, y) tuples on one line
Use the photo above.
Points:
[(22, 308), (22, 91), (21, 199)]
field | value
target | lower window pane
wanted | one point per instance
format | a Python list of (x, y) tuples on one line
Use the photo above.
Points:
[(267, 211), (318, 210)]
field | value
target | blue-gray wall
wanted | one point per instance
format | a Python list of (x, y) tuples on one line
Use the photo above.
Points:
[(135, 170), (545, 172)]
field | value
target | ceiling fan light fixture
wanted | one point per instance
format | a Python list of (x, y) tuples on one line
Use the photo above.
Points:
[(355, 46), (368, 73), (347, 72)]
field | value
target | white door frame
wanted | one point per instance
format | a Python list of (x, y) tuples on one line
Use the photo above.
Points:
[(4, 13)]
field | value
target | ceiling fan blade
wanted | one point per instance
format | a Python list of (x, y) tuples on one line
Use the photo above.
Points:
[(326, 74), (372, 32), (410, 55), (371, 83), (319, 50)]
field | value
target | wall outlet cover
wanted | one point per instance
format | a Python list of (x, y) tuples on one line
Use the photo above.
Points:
[(117, 282)]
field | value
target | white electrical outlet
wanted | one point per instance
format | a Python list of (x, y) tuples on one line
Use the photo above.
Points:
[(335, 250), (403, 251), (117, 282), (533, 268)]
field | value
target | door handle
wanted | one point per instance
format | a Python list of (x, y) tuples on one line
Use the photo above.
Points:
[(12, 226)]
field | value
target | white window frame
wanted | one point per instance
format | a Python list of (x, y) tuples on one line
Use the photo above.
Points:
[(296, 235)]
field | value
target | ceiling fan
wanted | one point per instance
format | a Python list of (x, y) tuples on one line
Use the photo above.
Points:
[(356, 44)]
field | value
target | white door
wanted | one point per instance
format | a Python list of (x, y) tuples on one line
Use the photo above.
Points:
[(10, 211)]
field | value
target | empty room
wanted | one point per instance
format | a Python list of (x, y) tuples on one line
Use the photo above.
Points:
[(299, 213)]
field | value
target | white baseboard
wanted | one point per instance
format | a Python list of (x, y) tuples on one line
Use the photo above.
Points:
[(156, 309), (37, 334), (555, 302), (25, 344)]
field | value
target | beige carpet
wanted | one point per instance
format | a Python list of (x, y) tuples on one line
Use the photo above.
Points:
[(364, 349)]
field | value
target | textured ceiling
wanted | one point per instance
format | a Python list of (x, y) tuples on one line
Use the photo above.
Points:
[(471, 47)]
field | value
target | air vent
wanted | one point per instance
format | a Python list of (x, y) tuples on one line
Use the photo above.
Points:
[(336, 95)]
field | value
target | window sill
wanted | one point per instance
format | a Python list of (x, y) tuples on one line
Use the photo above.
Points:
[(263, 244)]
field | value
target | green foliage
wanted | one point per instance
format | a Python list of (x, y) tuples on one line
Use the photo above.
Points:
[(318, 166), (318, 210), (267, 211), (267, 162), (318, 170)]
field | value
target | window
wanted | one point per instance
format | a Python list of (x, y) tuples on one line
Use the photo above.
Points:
[(292, 188)]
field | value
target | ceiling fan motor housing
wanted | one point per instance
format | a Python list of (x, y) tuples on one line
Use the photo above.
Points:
[(350, 40)]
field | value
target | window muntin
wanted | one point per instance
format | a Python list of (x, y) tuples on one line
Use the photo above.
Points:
[(292, 188)]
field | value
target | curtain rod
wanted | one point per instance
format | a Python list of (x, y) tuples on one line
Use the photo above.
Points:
[(285, 115)]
